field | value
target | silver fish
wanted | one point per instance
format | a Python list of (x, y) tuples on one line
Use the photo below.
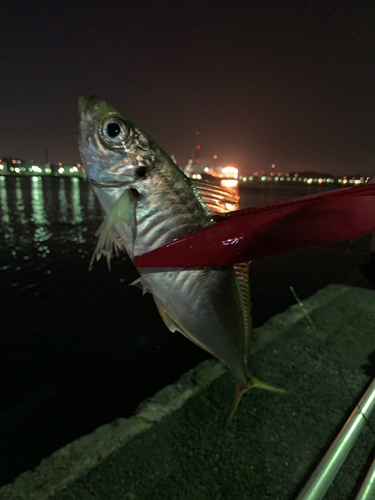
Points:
[(148, 202)]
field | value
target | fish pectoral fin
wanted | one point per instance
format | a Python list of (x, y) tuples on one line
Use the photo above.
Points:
[(241, 388), (108, 241)]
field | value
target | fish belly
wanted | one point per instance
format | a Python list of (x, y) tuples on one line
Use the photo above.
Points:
[(205, 304)]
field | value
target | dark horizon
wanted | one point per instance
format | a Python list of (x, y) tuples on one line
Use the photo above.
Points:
[(288, 83)]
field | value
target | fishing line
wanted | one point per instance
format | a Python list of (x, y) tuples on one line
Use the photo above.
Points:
[(305, 312)]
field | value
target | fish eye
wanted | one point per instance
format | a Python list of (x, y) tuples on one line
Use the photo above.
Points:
[(114, 130)]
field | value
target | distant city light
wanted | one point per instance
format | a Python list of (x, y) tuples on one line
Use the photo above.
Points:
[(61, 170), (230, 171), (229, 182), (215, 157), (59, 164)]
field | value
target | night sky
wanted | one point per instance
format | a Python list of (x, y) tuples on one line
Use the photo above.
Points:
[(291, 83)]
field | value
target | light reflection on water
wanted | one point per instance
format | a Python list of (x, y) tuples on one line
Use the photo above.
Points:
[(5, 217), (38, 213), (63, 204), (20, 205), (76, 202), (39, 217)]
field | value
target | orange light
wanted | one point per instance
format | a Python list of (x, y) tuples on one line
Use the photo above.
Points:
[(295, 175), (230, 171), (59, 164), (13, 161), (215, 157), (229, 183), (79, 165)]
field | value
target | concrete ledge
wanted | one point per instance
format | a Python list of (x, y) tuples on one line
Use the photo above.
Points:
[(67, 464)]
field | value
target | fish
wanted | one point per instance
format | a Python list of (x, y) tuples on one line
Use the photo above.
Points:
[(148, 202)]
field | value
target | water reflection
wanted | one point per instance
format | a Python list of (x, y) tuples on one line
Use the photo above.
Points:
[(6, 228), (91, 201), (20, 206), (63, 202), (39, 217), (76, 202)]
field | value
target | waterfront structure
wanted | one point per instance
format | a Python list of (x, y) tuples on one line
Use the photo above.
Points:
[(17, 167)]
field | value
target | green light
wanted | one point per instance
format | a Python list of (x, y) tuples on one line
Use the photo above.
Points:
[(263, 178), (276, 178), (251, 177), (281, 178)]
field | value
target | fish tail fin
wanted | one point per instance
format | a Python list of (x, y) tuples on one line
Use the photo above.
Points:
[(241, 388), (258, 384)]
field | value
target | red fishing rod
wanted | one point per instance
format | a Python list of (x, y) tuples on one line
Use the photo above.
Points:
[(257, 232)]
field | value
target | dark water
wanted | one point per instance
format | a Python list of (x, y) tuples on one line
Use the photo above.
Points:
[(80, 349)]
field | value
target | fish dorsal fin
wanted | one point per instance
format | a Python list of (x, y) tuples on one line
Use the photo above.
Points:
[(242, 275), (216, 199)]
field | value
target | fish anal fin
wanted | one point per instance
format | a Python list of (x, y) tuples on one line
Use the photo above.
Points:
[(173, 326), (168, 320)]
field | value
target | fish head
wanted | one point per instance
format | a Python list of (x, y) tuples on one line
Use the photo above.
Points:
[(114, 153)]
